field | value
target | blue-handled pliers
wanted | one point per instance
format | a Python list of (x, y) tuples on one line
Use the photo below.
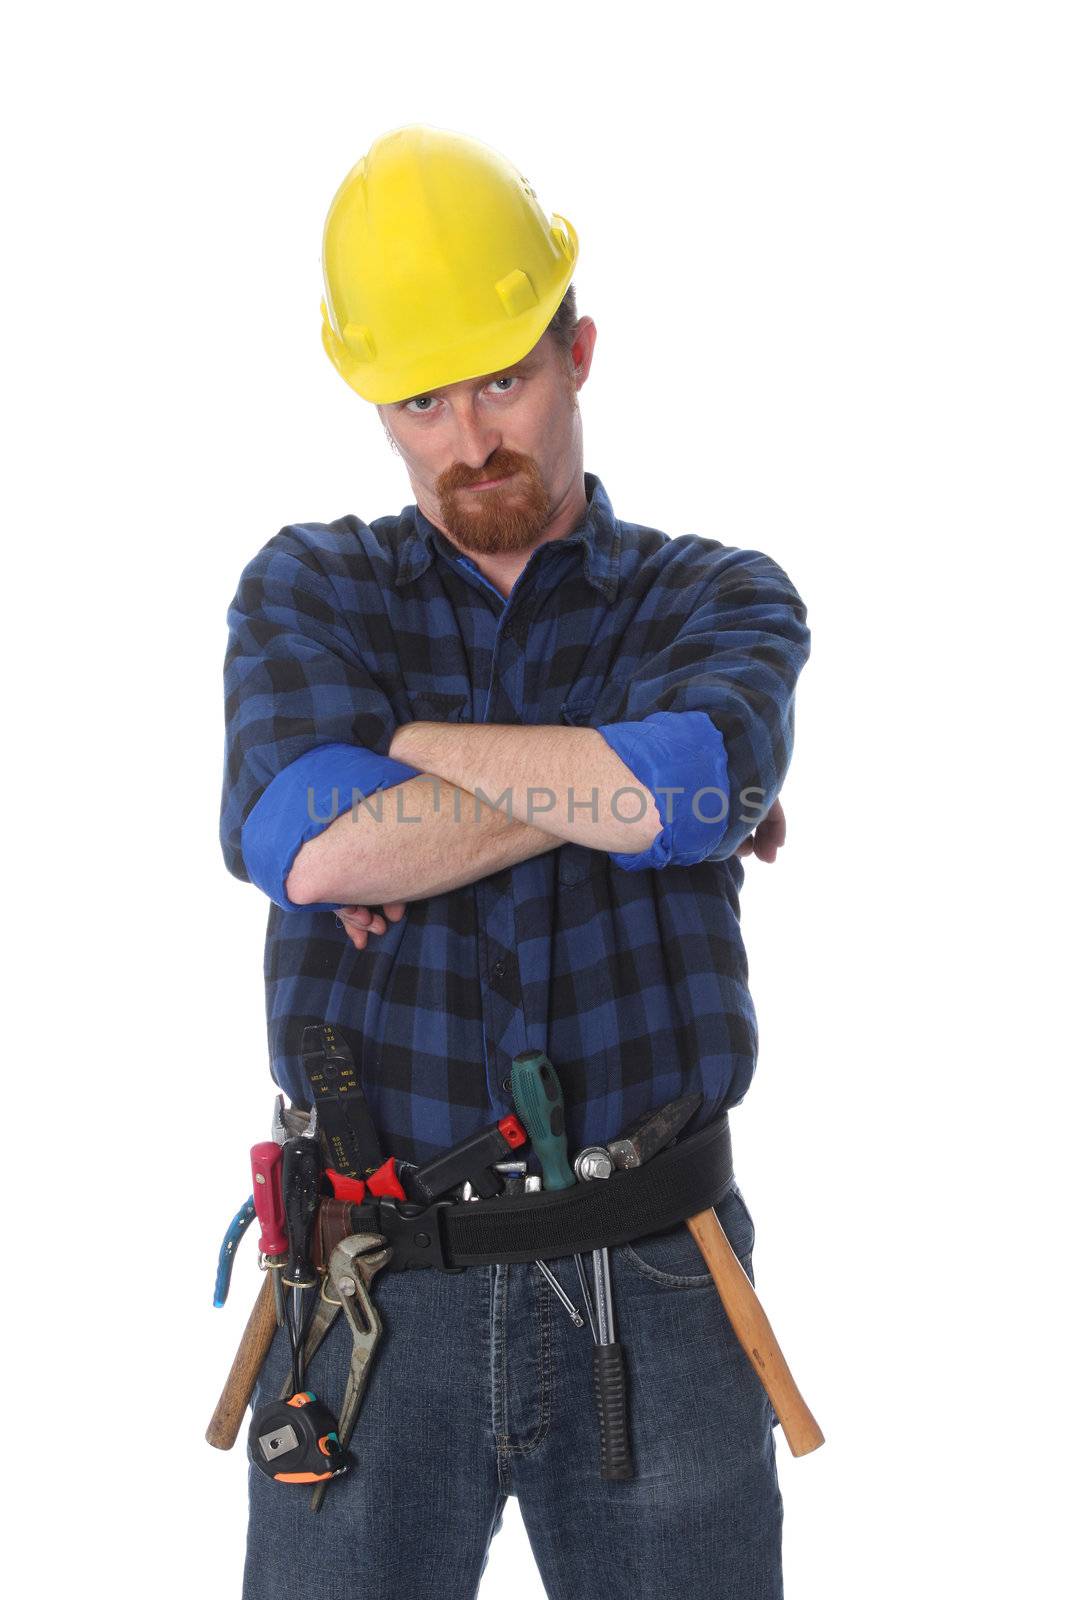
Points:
[(234, 1234)]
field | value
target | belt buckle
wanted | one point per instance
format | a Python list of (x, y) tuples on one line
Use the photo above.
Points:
[(415, 1233)]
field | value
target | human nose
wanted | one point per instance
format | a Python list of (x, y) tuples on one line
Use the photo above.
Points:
[(476, 437)]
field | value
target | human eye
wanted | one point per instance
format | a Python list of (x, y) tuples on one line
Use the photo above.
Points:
[(511, 378), (421, 403)]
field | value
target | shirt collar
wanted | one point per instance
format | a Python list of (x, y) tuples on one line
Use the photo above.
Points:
[(597, 535)]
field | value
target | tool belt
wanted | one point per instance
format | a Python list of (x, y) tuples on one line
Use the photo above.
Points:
[(656, 1183), (681, 1181)]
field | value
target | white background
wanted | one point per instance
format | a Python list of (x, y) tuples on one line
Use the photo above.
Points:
[(824, 248)]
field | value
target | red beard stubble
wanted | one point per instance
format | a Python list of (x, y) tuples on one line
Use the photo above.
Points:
[(508, 518)]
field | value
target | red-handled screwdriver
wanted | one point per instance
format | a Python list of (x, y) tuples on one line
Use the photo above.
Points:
[(270, 1213)]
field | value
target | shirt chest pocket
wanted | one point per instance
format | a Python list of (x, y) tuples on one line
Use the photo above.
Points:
[(428, 705)]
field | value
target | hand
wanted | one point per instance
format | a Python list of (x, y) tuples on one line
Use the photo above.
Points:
[(768, 837), (359, 922)]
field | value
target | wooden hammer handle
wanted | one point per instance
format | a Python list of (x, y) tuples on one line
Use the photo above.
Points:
[(749, 1322), (256, 1340)]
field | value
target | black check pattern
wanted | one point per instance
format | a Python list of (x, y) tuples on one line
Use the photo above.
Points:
[(633, 982)]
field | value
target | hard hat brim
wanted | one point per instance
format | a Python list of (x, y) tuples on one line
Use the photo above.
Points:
[(503, 348)]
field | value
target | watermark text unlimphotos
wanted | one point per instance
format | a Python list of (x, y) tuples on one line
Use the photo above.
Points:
[(709, 804)]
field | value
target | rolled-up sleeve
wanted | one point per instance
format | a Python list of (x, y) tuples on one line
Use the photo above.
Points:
[(708, 722), (680, 756), (306, 723)]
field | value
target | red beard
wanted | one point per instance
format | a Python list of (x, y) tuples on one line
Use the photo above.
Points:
[(511, 516)]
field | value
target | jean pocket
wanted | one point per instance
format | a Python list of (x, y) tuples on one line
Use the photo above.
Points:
[(673, 1259)]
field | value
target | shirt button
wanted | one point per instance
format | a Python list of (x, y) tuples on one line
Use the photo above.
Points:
[(499, 969)]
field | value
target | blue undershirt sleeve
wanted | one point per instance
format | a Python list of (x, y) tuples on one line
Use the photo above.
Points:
[(301, 801), (681, 757)]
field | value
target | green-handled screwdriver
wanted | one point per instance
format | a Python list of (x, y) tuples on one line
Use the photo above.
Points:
[(539, 1103)]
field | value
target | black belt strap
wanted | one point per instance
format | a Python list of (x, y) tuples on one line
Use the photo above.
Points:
[(689, 1177)]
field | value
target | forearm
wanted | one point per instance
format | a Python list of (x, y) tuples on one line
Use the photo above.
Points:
[(408, 842), (566, 781)]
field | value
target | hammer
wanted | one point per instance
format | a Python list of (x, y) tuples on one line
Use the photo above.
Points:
[(747, 1317)]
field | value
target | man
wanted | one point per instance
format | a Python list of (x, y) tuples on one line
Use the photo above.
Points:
[(538, 738)]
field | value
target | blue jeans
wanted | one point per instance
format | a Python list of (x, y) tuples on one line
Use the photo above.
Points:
[(482, 1387)]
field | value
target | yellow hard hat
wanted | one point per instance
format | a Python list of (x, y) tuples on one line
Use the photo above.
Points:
[(440, 265)]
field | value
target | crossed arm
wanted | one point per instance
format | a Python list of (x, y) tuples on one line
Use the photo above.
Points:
[(707, 714), (472, 811), (436, 832)]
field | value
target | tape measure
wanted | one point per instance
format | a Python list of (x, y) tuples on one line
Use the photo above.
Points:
[(295, 1441)]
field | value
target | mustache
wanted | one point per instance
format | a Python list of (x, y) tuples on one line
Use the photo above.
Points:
[(503, 463)]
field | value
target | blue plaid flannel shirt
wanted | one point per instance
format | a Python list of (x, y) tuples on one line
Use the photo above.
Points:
[(628, 970)]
